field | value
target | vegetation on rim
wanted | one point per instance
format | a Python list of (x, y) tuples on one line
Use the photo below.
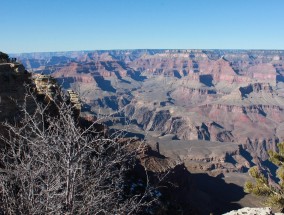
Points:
[(264, 184)]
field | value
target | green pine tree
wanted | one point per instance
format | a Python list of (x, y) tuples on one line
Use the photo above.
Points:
[(272, 191)]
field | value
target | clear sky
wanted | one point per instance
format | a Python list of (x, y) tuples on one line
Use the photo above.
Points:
[(62, 25)]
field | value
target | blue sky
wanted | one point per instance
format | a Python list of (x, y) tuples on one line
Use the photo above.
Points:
[(62, 25)]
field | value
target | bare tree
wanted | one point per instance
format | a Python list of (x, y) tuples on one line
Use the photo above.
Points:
[(53, 166)]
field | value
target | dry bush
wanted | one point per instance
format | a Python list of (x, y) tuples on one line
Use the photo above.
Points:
[(53, 166)]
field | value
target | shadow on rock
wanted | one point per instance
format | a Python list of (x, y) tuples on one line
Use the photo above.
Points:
[(105, 85), (214, 195), (184, 193), (200, 194)]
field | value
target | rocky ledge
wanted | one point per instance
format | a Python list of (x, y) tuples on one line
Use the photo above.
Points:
[(253, 211)]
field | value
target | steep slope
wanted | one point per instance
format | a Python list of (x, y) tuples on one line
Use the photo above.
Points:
[(13, 76)]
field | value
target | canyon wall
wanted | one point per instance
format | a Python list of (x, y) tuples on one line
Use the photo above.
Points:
[(214, 95)]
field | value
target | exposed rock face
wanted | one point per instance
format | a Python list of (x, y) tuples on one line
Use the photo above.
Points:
[(253, 211), (46, 86), (214, 158), (13, 77), (256, 87), (4, 58), (74, 99), (216, 95), (14, 80), (185, 193)]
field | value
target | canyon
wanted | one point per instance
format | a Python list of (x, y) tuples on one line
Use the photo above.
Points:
[(216, 111), (213, 95)]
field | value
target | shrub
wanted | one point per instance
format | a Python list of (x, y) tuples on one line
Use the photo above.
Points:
[(264, 185), (53, 166)]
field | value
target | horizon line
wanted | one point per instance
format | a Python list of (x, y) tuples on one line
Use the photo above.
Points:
[(145, 49)]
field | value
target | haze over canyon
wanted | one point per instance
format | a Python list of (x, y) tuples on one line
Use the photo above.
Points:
[(217, 111)]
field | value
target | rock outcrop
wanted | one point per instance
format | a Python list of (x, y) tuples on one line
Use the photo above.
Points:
[(15, 81), (46, 86), (4, 58), (13, 78), (253, 211)]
